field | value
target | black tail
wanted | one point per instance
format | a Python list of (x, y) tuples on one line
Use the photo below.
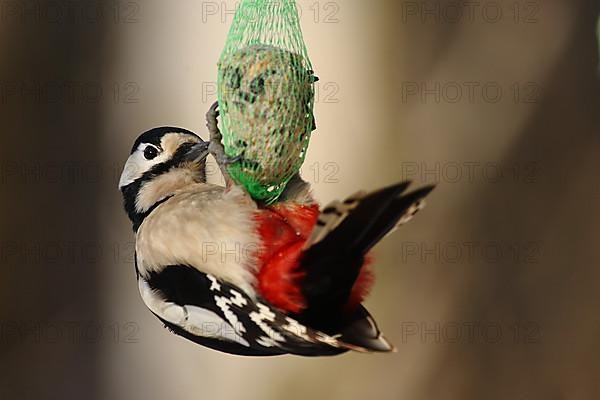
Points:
[(333, 264)]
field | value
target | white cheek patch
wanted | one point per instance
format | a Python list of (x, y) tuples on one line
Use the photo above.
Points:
[(137, 165)]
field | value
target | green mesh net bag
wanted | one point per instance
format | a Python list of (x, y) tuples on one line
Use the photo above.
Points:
[(266, 96)]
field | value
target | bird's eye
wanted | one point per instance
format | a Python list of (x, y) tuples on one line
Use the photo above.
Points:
[(150, 153)]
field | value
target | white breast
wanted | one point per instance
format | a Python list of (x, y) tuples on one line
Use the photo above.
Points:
[(204, 228)]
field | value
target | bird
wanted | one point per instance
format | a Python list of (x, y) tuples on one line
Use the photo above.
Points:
[(224, 271)]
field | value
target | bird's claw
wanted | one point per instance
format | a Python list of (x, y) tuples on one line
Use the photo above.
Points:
[(215, 146), (218, 152), (213, 124)]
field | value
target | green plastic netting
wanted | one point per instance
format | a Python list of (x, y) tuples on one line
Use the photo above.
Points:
[(266, 96)]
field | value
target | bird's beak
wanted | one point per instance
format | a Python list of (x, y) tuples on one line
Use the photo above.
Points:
[(197, 152)]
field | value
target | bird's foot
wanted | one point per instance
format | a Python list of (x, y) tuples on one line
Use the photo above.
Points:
[(215, 146)]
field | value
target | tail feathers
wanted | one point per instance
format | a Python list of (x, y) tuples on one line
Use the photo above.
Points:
[(333, 261), (398, 212), (363, 334), (337, 212), (362, 220)]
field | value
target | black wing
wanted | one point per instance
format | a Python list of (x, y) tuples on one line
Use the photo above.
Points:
[(346, 231), (222, 317)]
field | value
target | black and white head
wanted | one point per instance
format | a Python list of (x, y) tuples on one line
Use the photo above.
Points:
[(162, 161)]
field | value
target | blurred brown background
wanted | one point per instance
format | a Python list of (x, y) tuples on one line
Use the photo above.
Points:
[(491, 293)]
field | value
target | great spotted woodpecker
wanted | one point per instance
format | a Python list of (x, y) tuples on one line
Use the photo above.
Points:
[(248, 279)]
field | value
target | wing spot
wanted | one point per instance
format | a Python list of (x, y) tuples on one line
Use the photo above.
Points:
[(233, 320), (238, 299), (215, 286)]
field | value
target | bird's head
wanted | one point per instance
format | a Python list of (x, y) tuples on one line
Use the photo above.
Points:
[(162, 161)]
